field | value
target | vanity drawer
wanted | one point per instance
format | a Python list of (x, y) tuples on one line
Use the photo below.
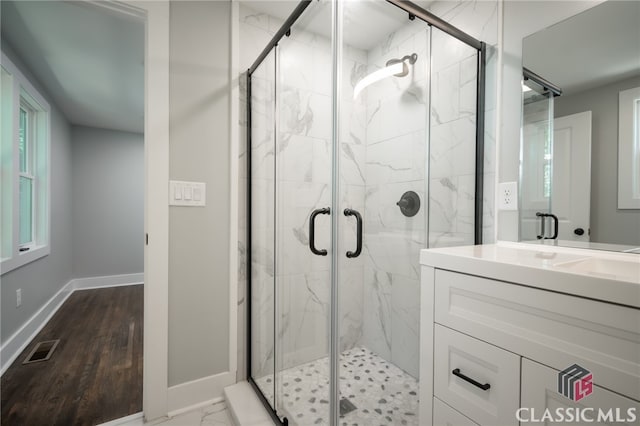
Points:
[(458, 360), (443, 415), (540, 393), (555, 329)]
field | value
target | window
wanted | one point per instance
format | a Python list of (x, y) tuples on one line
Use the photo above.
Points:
[(629, 149), (24, 116), (636, 148), (27, 179)]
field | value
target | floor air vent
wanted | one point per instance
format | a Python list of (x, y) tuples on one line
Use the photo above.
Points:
[(42, 351)]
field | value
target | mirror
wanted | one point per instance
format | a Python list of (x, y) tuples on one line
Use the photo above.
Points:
[(580, 147)]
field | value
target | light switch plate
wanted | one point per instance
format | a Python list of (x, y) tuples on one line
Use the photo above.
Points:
[(187, 194), (508, 196)]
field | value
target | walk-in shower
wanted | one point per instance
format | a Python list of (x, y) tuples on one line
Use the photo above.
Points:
[(365, 145)]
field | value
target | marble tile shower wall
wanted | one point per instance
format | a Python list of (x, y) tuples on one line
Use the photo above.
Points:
[(396, 162), (480, 20), (397, 145)]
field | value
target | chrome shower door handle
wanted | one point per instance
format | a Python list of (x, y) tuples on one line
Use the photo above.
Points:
[(351, 212), (312, 230)]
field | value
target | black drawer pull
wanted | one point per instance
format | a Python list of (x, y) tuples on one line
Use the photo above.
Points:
[(457, 372)]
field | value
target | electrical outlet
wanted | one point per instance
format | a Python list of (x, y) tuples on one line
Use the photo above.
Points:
[(18, 297), (508, 196)]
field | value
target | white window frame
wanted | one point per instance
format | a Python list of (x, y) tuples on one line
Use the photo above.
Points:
[(629, 149), (18, 94)]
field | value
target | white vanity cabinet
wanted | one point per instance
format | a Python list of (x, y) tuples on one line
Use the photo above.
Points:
[(493, 343)]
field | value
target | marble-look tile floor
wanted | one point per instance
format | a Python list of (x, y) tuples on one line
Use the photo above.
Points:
[(382, 393), (210, 415)]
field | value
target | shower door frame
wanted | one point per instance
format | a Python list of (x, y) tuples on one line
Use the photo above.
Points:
[(413, 11)]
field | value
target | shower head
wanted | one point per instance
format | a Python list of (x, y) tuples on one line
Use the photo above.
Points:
[(405, 69), (395, 67)]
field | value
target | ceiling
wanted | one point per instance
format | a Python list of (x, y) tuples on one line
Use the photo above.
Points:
[(89, 59), (596, 47), (366, 23)]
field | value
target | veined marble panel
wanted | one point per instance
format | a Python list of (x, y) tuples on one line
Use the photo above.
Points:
[(303, 318), (394, 252), (465, 204), (405, 327), (322, 160), (249, 16), (468, 86), (304, 112), (241, 332), (295, 158), (453, 148), (296, 201), (449, 239), (262, 325), (351, 306), (352, 164), (405, 113), (254, 35), (477, 18), (399, 159), (377, 315), (443, 204), (382, 213), (262, 206), (445, 95), (353, 122), (295, 65)]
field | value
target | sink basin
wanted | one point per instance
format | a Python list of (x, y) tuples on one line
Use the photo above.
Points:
[(606, 268)]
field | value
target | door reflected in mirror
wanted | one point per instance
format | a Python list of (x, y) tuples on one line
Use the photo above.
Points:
[(576, 163)]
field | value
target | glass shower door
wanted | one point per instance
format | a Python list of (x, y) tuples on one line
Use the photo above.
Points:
[(406, 181), (383, 186), (263, 226), (303, 194)]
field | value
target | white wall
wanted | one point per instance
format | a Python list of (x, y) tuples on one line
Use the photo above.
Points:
[(608, 223), (41, 279), (199, 151), (108, 202), (521, 18)]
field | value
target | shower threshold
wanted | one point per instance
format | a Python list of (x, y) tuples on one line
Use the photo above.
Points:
[(382, 393)]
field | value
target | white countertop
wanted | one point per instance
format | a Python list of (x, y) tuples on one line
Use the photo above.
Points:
[(601, 275)]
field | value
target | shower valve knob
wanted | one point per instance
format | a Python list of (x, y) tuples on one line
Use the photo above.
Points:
[(409, 204)]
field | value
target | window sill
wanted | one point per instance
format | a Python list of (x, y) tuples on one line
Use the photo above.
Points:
[(23, 258)]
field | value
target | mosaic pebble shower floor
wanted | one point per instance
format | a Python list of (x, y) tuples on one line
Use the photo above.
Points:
[(382, 393)]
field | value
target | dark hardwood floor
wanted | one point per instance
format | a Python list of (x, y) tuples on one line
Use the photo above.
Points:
[(95, 373)]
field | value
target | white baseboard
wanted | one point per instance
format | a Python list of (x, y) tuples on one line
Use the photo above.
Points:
[(198, 393), (21, 338), (107, 281)]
